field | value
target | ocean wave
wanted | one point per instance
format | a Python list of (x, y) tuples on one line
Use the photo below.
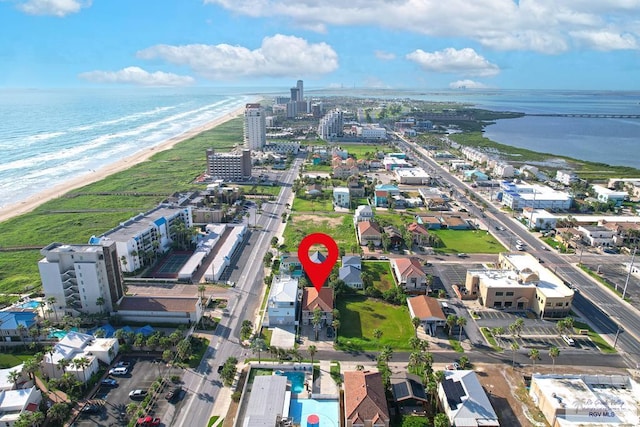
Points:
[(43, 136), (125, 119)]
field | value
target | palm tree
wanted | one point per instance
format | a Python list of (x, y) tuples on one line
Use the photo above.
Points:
[(100, 303), (312, 351), (336, 325), (62, 364), (31, 366), (14, 378), (514, 347), (58, 412), (441, 420), (416, 322), (553, 353), (201, 290), (82, 363), (21, 331), (258, 345), (534, 354), (316, 321), (460, 321), (415, 360), (414, 342), (377, 334), (451, 322)]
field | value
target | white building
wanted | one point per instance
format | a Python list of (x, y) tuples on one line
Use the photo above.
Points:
[(503, 170), (393, 163), (255, 127), (283, 147), (541, 219), (153, 310), (282, 302), (341, 197), (374, 132), (596, 235), (586, 400), (331, 124), (363, 213), (522, 195), (464, 400), (235, 166), (605, 195), (15, 402), (149, 232), (80, 277), (412, 176), (225, 249), (75, 346), (566, 177)]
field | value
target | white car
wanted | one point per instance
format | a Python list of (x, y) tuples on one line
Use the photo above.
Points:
[(137, 394), (453, 367)]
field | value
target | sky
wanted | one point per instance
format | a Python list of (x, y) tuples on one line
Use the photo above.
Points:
[(417, 44)]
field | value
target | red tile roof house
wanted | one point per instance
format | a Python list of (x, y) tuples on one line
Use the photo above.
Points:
[(409, 274), (429, 312), (419, 233), (312, 299), (369, 232), (365, 403)]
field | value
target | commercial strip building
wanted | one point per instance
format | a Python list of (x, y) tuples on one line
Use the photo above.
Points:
[(234, 166), (518, 196), (158, 309), (412, 176), (520, 283), (229, 241), (81, 278), (587, 400), (148, 233)]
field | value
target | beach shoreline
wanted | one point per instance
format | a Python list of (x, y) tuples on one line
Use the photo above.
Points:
[(31, 203)]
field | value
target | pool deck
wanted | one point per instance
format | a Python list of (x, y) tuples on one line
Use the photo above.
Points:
[(325, 387)]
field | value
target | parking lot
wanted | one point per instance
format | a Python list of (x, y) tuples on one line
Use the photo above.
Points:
[(547, 341), (114, 400)]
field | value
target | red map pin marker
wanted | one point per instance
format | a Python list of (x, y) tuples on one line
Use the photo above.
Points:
[(318, 273)]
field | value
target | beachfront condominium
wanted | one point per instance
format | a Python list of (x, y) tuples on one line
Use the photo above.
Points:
[(331, 125), (255, 127), (81, 278), (140, 240), (233, 167)]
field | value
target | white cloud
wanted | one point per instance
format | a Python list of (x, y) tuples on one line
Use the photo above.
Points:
[(467, 84), (464, 61), (606, 40), (546, 26), (384, 56), (137, 76), (59, 8), (278, 56)]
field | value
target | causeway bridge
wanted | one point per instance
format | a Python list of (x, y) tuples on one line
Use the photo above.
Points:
[(587, 116)]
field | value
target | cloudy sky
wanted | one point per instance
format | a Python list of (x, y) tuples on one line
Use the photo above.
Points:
[(432, 44)]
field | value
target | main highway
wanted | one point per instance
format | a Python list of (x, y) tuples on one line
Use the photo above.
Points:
[(606, 312), (203, 384)]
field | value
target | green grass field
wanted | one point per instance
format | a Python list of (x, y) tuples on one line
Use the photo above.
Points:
[(318, 168), (468, 241), (360, 150), (315, 205), (360, 316), (338, 226), (380, 271), (58, 220), (9, 360), (260, 190)]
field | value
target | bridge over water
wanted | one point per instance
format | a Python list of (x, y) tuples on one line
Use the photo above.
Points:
[(588, 116)]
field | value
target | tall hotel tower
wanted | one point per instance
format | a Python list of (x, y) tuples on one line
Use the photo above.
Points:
[(300, 87), (255, 127)]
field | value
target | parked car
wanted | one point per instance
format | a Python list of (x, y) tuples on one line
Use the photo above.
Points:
[(109, 382), (118, 371), (453, 367), (124, 364), (568, 340), (220, 368), (90, 409), (137, 394), (461, 255), (148, 422), (173, 394)]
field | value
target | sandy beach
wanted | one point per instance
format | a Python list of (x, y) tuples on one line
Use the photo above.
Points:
[(36, 200)]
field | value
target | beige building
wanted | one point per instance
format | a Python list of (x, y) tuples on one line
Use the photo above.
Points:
[(520, 284)]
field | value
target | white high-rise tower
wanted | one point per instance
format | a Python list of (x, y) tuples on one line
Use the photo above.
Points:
[(299, 85), (255, 127)]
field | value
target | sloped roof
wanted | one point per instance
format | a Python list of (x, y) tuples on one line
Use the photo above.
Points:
[(366, 228), (364, 397), (406, 386), (408, 267), (350, 274), (392, 232), (468, 402), (148, 303), (353, 260), (311, 299), (414, 227), (317, 257), (425, 307)]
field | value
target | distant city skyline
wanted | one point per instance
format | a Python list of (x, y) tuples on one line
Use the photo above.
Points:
[(502, 44)]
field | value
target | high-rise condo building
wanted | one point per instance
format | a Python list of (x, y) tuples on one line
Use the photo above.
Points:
[(300, 87), (331, 125), (81, 278), (255, 127), (229, 166)]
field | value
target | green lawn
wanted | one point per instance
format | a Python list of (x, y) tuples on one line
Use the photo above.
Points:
[(602, 345), (360, 316), (9, 360), (318, 168), (260, 190), (312, 205), (338, 226), (380, 271), (108, 202), (468, 241), (398, 219), (360, 150)]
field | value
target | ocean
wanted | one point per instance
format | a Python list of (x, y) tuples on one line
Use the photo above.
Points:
[(50, 136)]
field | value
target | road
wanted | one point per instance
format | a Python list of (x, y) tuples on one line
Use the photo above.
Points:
[(607, 313), (203, 383)]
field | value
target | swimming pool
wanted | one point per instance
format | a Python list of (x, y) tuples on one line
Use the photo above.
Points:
[(60, 333), (30, 304), (296, 379), (326, 410)]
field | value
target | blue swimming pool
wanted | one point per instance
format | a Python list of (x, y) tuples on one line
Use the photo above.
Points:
[(326, 410), (296, 379), (30, 304)]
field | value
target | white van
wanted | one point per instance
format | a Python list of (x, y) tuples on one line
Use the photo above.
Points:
[(118, 371), (568, 340)]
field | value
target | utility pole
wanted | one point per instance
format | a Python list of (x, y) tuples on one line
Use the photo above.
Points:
[(626, 283)]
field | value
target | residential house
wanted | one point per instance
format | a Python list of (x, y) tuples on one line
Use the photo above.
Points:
[(409, 274), (503, 170), (419, 233), (475, 175), (314, 190), (408, 393), (429, 312), (464, 401), (317, 257), (290, 264), (356, 189), (76, 345), (15, 402), (606, 195), (455, 223), (363, 213), (267, 402), (16, 324), (566, 177), (365, 403), (312, 300), (341, 197), (394, 235), (369, 231), (429, 221), (343, 171), (383, 194), (282, 302), (437, 204), (351, 271), (7, 384)]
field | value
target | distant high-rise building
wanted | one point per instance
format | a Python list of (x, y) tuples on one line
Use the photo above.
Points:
[(294, 94), (331, 125), (255, 127), (229, 166), (81, 278), (300, 86)]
